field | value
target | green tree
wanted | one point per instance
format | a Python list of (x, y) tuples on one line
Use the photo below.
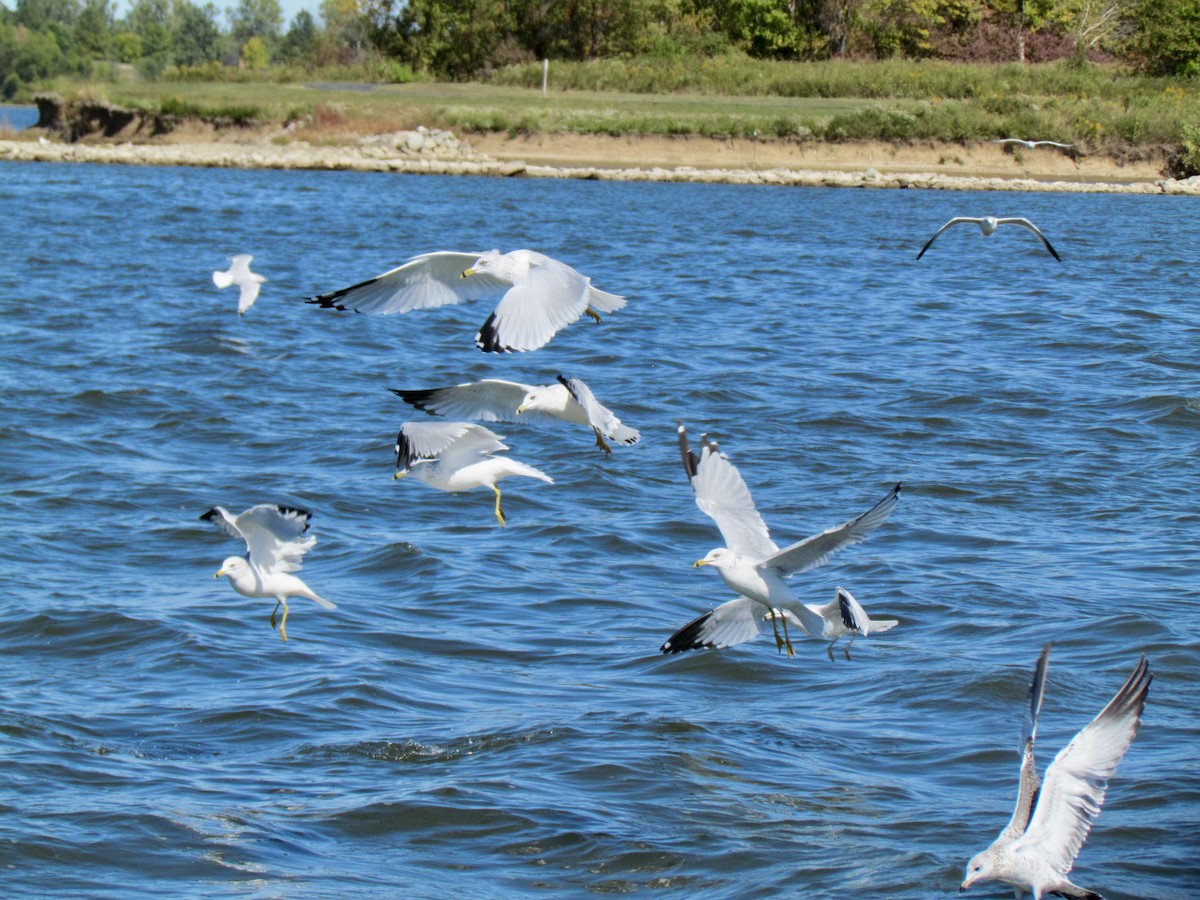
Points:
[(197, 39), (1167, 40), (254, 54), (93, 29), (452, 37), (126, 47), (255, 18), (36, 14), (300, 41)]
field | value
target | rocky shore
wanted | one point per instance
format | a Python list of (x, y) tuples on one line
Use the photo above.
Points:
[(433, 151)]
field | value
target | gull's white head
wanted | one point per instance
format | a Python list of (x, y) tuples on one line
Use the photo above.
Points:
[(236, 569), (721, 558), (541, 399), (988, 225), (494, 263), (978, 869)]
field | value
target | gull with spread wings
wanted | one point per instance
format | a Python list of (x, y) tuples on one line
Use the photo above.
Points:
[(457, 456), (276, 540), (988, 225), (753, 565), (1037, 848), (494, 400), (540, 295)]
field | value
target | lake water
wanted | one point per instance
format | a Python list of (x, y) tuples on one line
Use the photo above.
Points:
[(486, 712), (18, 117)]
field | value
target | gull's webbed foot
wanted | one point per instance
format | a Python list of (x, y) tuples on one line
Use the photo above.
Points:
[(775, 629), (601, 443), (787, 640), (592, 314), (499, 511), (275, 610), (829, 649)]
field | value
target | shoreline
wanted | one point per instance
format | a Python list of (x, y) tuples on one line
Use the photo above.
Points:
[(633, 158)]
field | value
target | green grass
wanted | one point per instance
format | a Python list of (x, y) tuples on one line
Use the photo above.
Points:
[(1104, 111)]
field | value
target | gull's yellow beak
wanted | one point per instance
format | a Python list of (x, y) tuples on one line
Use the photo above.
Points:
[(467, 273), (218, 573), (520, 409), (700, 562), (399, 475)]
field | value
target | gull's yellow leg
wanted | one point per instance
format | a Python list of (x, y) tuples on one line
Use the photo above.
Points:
[(775, 628), (275, 610), (283, 622), (829, 649), (592, 314), (787, 640), (601, 443), (499, 511), (846, 649)]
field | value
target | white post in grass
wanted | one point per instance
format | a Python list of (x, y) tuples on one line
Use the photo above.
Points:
[(545, 75)]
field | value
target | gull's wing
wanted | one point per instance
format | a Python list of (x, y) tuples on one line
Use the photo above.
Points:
[(1025, 223), (598, 415), (815, 551), (549, 297), (274, 535), (491, 400), (722, 495), (430, 440), (425, 281), (730, 623), (1077, 780), (1027, 792), (249, 292), (853, 615), (955, 221), (602, 301), (1053, 144)]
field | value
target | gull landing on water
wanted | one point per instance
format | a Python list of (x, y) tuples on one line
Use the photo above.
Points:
[(541, 295), (754, 566), (987, 226), (493, 400), (457, 456), (1036, 850), (239, 273), (276, 542)]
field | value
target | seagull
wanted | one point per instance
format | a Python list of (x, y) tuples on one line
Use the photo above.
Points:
[(276, 542), (987, 226), (540, 295), (239, 273), (493, 400), (457, 456), (1030, 145), (1035, 851), (754, 566)]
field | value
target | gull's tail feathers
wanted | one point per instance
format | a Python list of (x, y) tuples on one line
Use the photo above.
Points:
[(519, 468), (625, 435), (602, 301)]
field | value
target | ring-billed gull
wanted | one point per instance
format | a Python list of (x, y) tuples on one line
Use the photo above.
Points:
[(540, 295), (1030, 145), (494, 400), (754, 566), (988, 225), (457, 456), (276, 540), (239, 273), (1036, 850)]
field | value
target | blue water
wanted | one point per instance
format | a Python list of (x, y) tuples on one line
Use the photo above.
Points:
[(18, 117), (487, 711)]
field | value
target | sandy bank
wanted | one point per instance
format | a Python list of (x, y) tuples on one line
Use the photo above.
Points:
[(939, 167)]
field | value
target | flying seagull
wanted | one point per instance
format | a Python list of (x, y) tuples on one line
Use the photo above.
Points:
[(987, 226), (540, 295), (239, 273), (493, 400), (457, 456), (1030, 145), (1035, 851), (754, 566), (276, 540)]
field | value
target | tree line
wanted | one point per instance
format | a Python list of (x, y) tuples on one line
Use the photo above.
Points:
[(463, 39)]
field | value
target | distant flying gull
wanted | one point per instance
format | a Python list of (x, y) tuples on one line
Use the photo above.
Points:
[(1030, 145), (492, 400), (540, 295), (239, 273), (754, 566), (1036, 850), (457, 456), (276, 542), (987, 226)]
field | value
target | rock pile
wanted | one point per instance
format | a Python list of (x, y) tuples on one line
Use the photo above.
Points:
[(424, 143)]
